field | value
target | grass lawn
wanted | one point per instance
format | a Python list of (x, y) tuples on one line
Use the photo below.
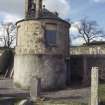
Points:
[(53, 102), (102, 92)]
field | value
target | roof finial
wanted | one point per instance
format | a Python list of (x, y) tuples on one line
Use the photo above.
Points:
[(44, 6)]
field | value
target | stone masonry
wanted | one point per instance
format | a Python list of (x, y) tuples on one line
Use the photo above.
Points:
[(90, 56)]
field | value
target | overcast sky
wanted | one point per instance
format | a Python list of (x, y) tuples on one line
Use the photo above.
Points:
[(13, 10)]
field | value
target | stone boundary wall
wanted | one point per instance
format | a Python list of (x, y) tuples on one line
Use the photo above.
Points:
[(88, 50)]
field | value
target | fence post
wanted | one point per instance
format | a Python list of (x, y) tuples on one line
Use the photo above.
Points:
[(35, 88), (94, 85)]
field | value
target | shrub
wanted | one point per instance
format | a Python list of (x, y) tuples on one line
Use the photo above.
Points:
[(6, 61)]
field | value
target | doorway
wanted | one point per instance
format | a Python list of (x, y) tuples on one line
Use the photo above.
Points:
[(76, 67)]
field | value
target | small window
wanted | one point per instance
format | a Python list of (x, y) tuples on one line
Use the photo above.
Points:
[(50, 35)]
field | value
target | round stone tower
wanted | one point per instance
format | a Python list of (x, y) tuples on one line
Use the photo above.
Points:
[(42, 47)]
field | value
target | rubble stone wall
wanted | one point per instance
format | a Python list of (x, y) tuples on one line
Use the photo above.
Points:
[(34, 58)]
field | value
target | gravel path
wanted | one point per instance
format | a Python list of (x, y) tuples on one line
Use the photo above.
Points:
[(81, 95)]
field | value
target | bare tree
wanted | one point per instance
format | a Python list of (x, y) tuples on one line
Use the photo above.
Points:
[(88, 31), (8, 34)]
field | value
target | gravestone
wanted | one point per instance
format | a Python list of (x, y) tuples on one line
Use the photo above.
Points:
[(35, 88), (94, 86)]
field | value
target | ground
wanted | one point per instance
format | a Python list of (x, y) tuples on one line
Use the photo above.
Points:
[(82, 95), (8, 90), (70, 94)]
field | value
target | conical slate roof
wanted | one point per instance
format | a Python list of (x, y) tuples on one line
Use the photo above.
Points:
[(46, 14)]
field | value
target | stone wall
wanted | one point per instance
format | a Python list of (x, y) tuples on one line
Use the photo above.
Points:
[(88, 50), (94, 55), (77, 70), (99, 62), (31, 38), (51, 70), (34, 58)]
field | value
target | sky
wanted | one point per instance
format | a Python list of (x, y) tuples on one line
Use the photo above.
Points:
[(91, 9), (13, 10)]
